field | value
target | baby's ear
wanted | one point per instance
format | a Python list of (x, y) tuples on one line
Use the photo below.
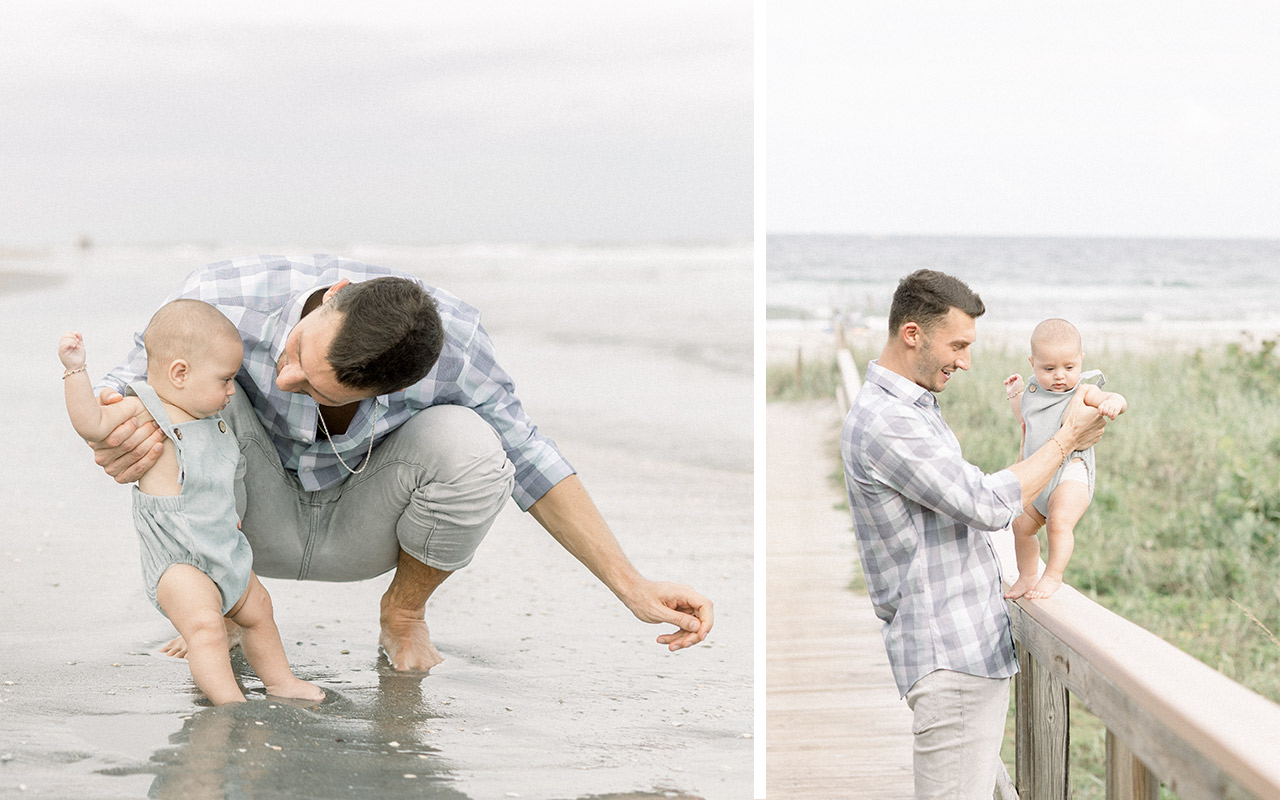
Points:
[(178, 371)]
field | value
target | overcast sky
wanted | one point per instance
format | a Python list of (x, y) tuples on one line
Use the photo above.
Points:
[(979, 117), (575, 120)]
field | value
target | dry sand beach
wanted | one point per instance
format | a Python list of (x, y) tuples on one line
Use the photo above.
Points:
[(636, 361)]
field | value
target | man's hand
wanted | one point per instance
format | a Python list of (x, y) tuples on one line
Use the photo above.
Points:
[(131, 449), (659, 601), (1081, 424), (569, 515)]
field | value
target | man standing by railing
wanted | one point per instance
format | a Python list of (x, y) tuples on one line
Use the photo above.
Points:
[(921, 515)]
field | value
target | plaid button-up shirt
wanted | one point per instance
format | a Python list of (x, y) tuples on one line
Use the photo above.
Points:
[(264, 295), (921, 514)]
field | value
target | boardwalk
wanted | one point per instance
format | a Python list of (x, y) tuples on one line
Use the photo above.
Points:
[(836, 727)]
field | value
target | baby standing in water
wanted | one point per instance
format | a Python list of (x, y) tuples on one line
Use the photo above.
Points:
[(195, 561), (1057, 356)]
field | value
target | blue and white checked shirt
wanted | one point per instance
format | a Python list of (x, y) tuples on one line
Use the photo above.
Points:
[(921, 514), (264, 295)]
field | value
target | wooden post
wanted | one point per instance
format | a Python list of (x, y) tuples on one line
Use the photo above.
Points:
[(1043, 732), (1127, 777)]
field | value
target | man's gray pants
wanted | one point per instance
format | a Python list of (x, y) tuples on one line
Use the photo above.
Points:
[(432, 488), (958, 725)]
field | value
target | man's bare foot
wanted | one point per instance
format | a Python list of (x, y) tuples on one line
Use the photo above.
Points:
[(1020, 587), (1045, 588), (297, 689), (177, 646), (405, 640)]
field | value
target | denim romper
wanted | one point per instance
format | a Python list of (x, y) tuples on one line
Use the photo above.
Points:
[(198, 526), (1042, 411)]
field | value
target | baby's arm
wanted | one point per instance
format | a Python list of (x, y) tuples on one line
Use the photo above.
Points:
[(1109, 404), (1013, 387), (91, 420)]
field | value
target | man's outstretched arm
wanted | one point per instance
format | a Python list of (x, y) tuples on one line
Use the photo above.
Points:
[(571, 517)]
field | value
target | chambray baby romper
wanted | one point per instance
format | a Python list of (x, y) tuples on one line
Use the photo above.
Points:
[(1042, 411), (198, 526)]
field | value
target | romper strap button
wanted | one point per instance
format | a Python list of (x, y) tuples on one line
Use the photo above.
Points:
[(177, 433), (222, 426)]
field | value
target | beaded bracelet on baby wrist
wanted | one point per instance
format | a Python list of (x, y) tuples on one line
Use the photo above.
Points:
[(71, 372), (1011, 396)]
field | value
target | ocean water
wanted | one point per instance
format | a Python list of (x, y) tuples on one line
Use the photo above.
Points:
[(1021, 280)]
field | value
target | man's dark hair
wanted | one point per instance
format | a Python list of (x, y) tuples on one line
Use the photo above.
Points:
[(926, 296), (390, 336)]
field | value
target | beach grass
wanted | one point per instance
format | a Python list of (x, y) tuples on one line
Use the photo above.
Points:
[(1183, 535), (810, 379)]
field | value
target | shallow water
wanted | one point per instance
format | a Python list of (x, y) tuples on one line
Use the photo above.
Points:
[(638, 363)]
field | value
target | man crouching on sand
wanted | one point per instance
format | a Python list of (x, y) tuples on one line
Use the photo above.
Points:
[(380, 433)]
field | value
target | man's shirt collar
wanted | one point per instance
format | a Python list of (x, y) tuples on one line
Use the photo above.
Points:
[(900, 387), (286, 319)]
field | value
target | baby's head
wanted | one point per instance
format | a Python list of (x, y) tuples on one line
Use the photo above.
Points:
[(193, 355), (1057, 355)]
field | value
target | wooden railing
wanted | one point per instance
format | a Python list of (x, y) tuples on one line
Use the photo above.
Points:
[(1170, 719)]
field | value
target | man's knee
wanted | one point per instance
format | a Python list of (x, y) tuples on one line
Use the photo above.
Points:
[(457, 448), (467, 479)]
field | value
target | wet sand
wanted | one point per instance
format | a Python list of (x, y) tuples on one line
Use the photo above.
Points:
[(638, 363)]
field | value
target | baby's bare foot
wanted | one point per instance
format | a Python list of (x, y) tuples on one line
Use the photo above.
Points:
[(1045, 588), (177, 646), (296, 689), (1020, 587)]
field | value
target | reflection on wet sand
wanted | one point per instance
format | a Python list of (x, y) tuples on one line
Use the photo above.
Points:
[(372, 743), (361, 743)]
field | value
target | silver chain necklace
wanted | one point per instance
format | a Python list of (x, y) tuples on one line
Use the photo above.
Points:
[(372, 435)]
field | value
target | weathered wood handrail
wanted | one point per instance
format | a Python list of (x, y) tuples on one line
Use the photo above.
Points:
[(1170, 718), (1199, 732), (849, 380)]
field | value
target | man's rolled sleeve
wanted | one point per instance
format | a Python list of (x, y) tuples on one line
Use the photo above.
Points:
[(485, 387)]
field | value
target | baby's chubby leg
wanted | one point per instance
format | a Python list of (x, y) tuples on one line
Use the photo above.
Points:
[(260, 639), (193, 604), (177, 646), (1027, 548), (1067, 505)]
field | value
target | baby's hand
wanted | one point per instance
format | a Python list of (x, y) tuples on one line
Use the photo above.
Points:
[(1113, 406), (1013, 385), (71, 350)]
